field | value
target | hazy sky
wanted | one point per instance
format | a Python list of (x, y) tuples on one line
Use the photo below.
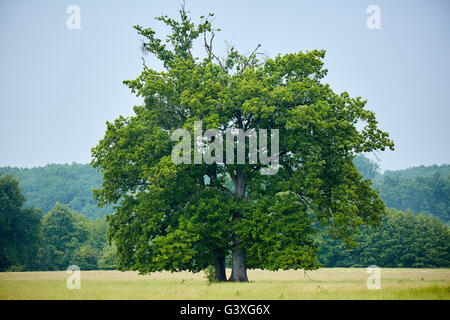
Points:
[(59, 86)]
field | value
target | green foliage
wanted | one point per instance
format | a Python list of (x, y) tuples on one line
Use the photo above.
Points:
[(62, 235), (183, 217), (429, 194), (278, 234), (401, 241), (19, 228), (70, 238), (71, 184), (60, 238), (210, 274), (86, 257), (97, 233), (108, 260)]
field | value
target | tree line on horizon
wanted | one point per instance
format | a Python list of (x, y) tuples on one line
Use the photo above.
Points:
[(70, 184), (34, 240), (423, 189), (53, 241)]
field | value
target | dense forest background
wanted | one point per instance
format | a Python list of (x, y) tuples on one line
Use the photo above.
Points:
[(421, 189), (70, 184), (49, 220)]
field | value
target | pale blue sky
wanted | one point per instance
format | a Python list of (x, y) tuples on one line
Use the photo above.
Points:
[(59, 86)]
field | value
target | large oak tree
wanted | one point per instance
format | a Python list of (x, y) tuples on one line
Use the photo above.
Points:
[(188, 216)]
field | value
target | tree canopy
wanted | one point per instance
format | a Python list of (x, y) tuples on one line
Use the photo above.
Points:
[(185, 217)]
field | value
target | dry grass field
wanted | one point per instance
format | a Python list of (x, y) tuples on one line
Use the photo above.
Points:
[(336, 283)]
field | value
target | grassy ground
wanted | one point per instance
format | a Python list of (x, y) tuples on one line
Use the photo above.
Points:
[(339, 283)]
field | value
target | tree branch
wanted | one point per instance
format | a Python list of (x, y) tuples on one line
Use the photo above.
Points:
[(208, 48), (143, 63), (249, 58)]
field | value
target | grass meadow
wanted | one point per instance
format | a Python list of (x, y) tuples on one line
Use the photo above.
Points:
[(335, 283)]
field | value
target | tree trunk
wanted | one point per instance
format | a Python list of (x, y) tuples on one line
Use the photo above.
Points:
[(239, 271), (219, 266)]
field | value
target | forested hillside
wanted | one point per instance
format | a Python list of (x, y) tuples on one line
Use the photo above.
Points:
[(429, 194), (70, 184), (421, 189)]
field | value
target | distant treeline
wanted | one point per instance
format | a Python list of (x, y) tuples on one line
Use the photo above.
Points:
[(423, 189), (62, 237), (402, 240), (70, 184)]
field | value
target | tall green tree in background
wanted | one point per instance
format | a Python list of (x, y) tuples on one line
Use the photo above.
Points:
[(19, 228), (70, 238), (186, 217), (62, 235)]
